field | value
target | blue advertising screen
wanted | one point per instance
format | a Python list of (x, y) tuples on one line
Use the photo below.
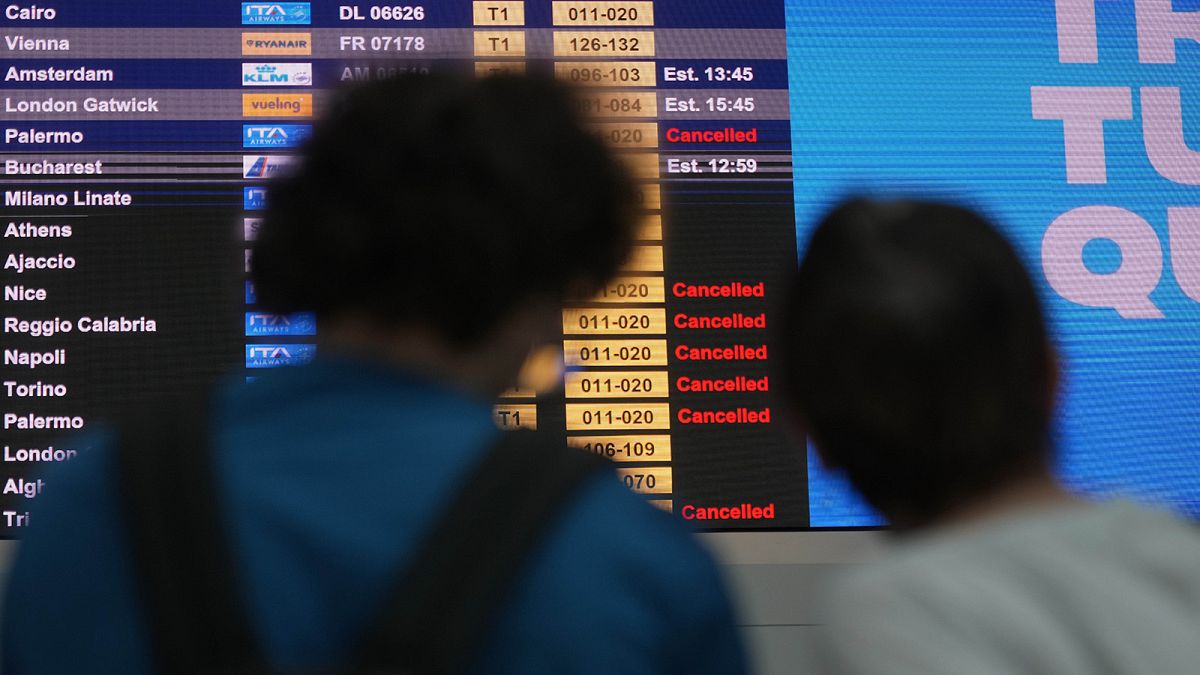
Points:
[(1076, 126), (140, 137)]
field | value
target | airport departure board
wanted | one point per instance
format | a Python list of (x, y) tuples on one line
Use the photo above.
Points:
[(139, 136)]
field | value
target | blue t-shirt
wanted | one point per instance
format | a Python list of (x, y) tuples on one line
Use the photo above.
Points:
[(330, 474)]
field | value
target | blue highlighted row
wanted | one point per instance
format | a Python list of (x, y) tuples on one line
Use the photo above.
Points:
[(345, 14), (311, 73), (274, 135)]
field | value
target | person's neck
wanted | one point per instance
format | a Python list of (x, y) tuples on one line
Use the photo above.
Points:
[(1039, 491), (481, 371)]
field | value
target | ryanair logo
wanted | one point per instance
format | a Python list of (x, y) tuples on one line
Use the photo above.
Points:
[(277, 74), (276, 13), (281, 44), (261, 324), (277, 105), (274, 135), (274, 356)]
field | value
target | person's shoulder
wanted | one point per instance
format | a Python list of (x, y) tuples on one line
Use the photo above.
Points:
[(78, 487), (1073, 549), (1040, 579), (636, 532), (633, 580), (72, 573), (1153, 527), (929, 563), (76, 512)]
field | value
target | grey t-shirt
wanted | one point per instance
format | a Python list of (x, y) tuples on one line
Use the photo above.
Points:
[(1105, 588)]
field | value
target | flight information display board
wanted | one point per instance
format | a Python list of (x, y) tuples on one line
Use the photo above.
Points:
[(138, 141), (138, 137)]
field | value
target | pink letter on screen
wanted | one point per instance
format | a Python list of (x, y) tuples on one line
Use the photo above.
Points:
[(1162, 130), (1158, 26), (1076, 31), (1083, 111), (1126, 290), (1183, 224)]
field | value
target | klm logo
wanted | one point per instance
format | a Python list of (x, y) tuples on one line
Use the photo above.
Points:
[(264, 75), (276, 74)]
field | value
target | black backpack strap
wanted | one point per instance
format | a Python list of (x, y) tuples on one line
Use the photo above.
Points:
[(436, 618), (194, 608)]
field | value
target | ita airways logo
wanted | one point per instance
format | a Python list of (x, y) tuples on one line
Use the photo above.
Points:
[(254, 198), (277, 74), (262, 324), (274, 135), (274, 356), (276, 13)]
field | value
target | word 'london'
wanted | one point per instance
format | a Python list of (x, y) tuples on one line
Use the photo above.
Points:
[(51, 104), (47, 454)]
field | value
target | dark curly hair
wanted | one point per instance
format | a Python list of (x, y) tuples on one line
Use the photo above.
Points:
[(445, 201)]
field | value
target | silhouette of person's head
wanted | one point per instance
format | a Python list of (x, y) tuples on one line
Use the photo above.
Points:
[(917, 357), (429, 210)]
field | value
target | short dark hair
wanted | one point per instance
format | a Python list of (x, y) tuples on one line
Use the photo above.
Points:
[(445, 201), (917, 355)]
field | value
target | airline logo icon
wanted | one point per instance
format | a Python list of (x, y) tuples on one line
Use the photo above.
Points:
[(274, 356), (276, 13), (277, 74), (254, 198), (276, 44), (261, 324), (250, 228), (277, 105), (251, 296), (264, 166), (274, 136)]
